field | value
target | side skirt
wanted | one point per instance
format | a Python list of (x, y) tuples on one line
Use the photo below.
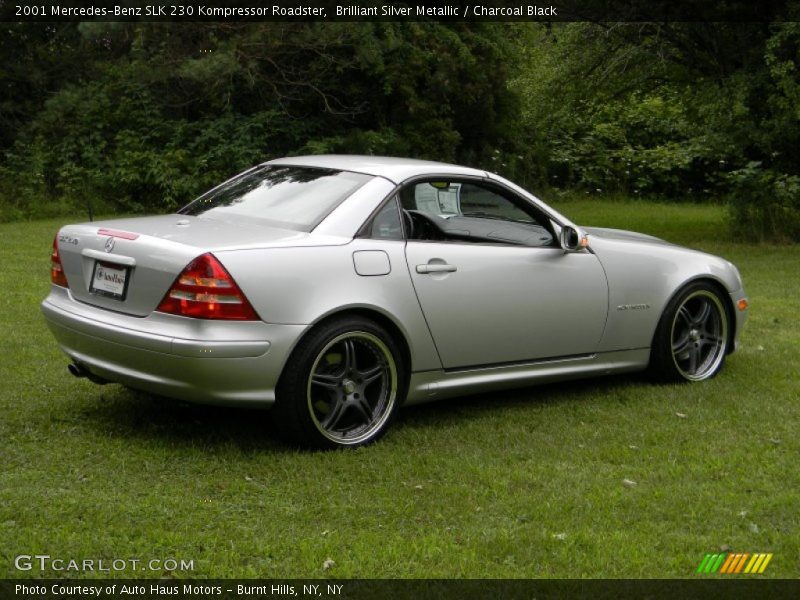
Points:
[(428, 386)]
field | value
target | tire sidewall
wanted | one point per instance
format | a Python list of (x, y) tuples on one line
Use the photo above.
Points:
[(663, 365), (292, 411)]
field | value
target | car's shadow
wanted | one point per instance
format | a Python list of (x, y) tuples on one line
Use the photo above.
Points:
[(462, 408), (124, 413)]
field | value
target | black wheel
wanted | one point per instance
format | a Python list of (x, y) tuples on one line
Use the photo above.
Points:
[(342, 385), (691, 339)]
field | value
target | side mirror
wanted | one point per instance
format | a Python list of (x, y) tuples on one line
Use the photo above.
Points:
[(572, 239)]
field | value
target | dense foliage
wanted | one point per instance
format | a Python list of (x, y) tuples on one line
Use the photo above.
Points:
[(143, 116), (681, 110)]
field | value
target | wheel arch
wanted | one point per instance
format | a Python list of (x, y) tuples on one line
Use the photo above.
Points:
[(724, 295), (372, 314)]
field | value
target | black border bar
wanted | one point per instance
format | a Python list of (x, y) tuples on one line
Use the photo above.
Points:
[(733, 588), (388, 10)]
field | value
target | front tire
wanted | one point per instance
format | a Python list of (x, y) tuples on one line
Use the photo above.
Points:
[(691, 339), (341, 386)]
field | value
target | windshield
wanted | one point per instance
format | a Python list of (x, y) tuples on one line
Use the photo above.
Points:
[(283, 196)]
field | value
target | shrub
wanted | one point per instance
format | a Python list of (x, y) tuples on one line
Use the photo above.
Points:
[(765, 204)]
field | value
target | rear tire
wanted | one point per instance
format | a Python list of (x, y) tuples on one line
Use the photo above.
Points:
[(341, 386), (691, 339)]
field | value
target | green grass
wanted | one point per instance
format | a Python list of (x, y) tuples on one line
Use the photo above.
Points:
[(527, 483)]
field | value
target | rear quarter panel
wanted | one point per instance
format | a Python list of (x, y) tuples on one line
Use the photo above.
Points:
[(304, 285)]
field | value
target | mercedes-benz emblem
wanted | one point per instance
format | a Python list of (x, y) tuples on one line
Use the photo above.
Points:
[(109, 244)]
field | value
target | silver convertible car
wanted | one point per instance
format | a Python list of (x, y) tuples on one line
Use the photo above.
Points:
[(333, 289)]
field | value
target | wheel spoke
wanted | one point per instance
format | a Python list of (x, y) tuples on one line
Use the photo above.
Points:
[(349, 362), (334, 416), (679, 346), (685, 316), (703, 314), (363, 407), (327, 381), (713, 343), (369, 375), (694, 356), (710, 332)]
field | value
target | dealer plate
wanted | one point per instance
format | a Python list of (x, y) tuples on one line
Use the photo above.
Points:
[(110, 280)]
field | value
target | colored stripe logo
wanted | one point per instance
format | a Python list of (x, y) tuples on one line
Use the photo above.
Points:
[(735, 563)]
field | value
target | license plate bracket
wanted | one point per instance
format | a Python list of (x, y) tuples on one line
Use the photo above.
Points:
[(110, 280)]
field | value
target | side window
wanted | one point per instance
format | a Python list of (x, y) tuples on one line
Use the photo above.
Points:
[(386, 224), (467, 211), (476, 201)]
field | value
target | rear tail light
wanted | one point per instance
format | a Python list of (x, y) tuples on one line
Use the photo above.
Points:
[(205, 290), (56, 270)]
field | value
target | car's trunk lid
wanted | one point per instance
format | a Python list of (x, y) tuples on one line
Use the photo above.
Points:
[(128, 265)]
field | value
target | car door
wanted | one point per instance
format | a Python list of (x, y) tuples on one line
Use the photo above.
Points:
[(492, 282)]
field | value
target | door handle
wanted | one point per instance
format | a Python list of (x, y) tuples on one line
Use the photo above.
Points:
[(436, 268)]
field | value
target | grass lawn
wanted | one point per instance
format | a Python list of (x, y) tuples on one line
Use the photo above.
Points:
[(527, 483)]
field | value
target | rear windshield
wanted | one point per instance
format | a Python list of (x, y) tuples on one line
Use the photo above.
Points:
[(282, 196)]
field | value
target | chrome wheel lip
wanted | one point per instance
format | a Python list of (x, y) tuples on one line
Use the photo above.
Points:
[(383, 405), (710, 362)]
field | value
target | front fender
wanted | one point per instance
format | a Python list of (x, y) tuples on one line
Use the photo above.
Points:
[(642, 277)]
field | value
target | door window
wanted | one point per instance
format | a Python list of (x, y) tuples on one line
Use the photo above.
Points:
[(465, 211)]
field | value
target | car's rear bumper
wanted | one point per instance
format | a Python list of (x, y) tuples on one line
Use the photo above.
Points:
[(215, 362)]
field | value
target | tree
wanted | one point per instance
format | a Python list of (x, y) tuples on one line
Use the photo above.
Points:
[(156, 113)]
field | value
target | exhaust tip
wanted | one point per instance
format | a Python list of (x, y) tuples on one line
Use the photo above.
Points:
[(79, 371), (76, 370)]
